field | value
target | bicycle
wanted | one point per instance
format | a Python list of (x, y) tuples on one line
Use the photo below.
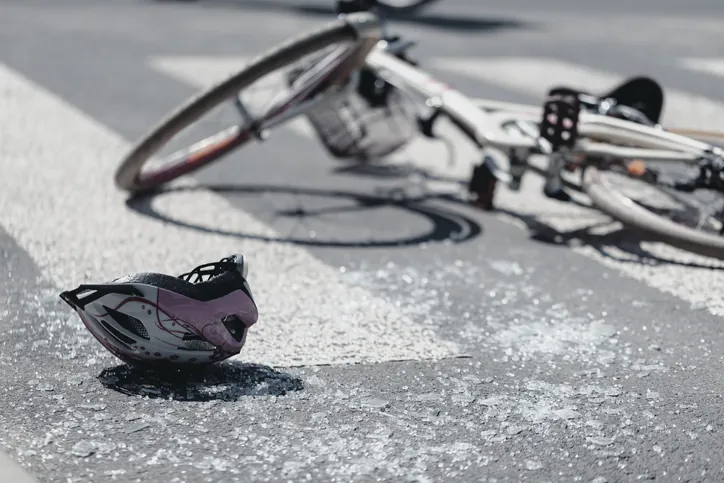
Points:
[(361, 93)]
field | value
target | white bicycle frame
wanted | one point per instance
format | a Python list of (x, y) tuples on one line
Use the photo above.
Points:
[(488, 123)]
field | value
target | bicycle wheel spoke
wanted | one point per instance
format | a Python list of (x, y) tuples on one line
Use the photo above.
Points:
[(208, 115)]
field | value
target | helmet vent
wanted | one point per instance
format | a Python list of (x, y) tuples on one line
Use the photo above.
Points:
[(131, 324), (116, 334), (236, 327)]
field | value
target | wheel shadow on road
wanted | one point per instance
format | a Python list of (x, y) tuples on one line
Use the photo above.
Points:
[(622, 240), (446, 225), (225, 381), (444, 21), (626, 241)]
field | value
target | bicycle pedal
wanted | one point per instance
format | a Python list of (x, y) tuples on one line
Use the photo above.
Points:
[(559, 125)]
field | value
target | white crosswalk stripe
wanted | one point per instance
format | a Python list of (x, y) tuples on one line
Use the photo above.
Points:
[(698, 286), (536, 75), (202, 72), (90, 242), (712, 65), (66, 160), (198, 71)]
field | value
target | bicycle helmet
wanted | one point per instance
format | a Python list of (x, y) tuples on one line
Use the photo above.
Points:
[(151, 317)]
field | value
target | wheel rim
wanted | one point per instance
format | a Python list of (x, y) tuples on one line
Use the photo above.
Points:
[(701, 211), (223, 129)]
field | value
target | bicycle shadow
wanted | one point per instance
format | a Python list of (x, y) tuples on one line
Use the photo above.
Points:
[(424, 18), (225, 381), (626, 240), (623, 239), (446, 225)]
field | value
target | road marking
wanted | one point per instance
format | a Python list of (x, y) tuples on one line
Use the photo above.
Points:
[(203, 72), (699, 286), (58, 201), (199, 71), (534, 76), (11, 471), (713, 65)]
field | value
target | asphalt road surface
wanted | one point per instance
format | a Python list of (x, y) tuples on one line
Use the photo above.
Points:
[(402, 337)]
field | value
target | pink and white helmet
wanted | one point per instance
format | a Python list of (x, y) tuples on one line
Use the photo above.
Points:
[(151, 317)]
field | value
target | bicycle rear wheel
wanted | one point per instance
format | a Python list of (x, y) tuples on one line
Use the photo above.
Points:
[(336, 50), (661, 213)]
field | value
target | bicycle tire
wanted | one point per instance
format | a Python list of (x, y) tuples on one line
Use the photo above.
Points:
[(637, 218), (402, 8), (363, 28)]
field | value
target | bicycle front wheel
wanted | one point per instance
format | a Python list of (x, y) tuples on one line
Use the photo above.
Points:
[(310, 67), (689, 221)]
